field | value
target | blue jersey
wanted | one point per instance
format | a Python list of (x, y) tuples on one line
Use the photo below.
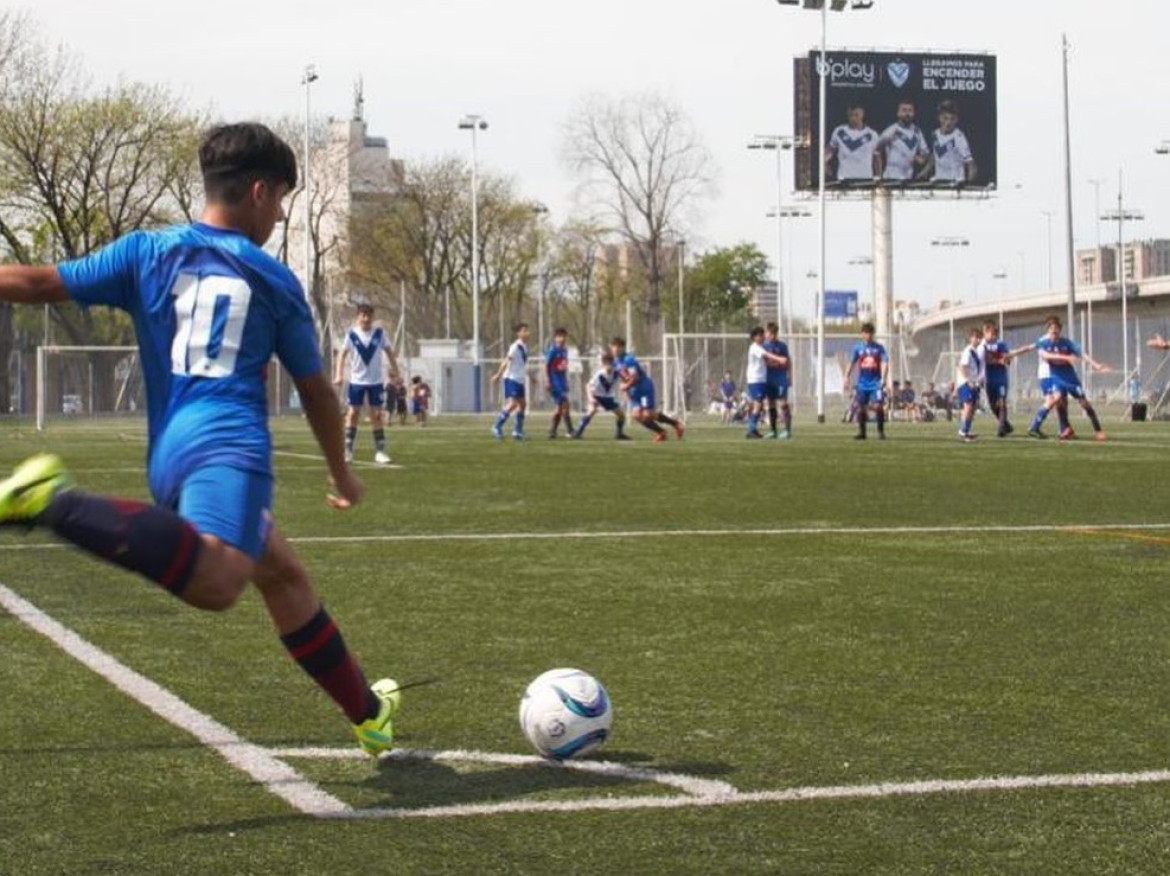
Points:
[(727, 389), (209, 309), (631, 370), (1063, 371), (556, 366), (868, 358), (995, 363), (777, 374)]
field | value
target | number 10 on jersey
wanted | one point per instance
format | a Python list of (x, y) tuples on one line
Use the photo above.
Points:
[(209, 324)]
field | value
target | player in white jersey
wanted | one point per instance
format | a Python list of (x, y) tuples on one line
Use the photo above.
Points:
[(968, 380), (371, 367), (852, 147), (757, 379), (513, 371), (602, 398), (902, 148), (950, 153)]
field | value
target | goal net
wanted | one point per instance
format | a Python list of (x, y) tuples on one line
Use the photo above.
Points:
[(77, 382)]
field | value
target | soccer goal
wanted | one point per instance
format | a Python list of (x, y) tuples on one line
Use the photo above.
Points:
[(78, 382)]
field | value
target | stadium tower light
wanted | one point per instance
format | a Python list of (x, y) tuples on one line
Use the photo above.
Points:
[(1121, 215), (778, 143), (822, 71), (475, 124), (307, 80)]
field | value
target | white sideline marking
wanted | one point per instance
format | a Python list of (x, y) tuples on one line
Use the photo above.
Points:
[(690, 784), (357, 463), (963, 529), (276, 776)]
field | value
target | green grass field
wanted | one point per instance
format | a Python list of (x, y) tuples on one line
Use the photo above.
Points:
[(767, 616)]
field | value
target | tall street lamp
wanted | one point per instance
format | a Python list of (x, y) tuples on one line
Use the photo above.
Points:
[(777, 143), (1121, 215), (307, 79), (475, 124), (951, 243), (1048, 214), (823, 6)]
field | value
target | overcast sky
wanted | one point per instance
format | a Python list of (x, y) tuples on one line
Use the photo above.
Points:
[(525, 65)]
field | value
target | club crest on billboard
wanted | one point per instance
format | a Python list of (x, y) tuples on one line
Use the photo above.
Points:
[(897, 120)]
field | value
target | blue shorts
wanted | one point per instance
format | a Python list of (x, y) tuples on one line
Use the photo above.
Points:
[(757, 391), (605, 402), (968, 395), (642, 396), (863, 397), (777, 391), (360, 392), (513, 389), (559, 394), (997, 392), (1063, 388), (229, 503)]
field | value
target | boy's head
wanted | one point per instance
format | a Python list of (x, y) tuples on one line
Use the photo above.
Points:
[(756, 334), (416, 380), (990, 330), (855, 113), (365, 316), (772, 330), (247, 171), (974, 336), (521, 330), (606, 360), (948, 116), (617, 345), (727, 375), (559, 337), (905, 112), (1052, 326), (867, 331)]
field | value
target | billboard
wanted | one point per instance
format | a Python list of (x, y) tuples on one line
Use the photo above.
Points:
[(901, 120), (840, 304)]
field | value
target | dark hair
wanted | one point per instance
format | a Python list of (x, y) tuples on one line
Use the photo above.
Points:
[(366, 307), (773, 328), (853, 105), (990, 324), (1053, 321), (756, 331), (606, 359), (416, 379), (560, 333), (948, 106), (867, 328), (617, 341), (232, 157), (520, 325)]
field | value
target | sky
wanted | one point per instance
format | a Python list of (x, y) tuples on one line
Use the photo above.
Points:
[(526, 66)]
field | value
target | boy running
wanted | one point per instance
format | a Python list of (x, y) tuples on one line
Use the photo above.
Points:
[(601, 398), (1059, 380), (639, 389)]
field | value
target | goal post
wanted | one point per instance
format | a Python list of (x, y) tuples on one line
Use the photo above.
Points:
[(87, 381)]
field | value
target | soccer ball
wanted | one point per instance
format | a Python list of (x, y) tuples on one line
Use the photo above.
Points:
[(565, 712)]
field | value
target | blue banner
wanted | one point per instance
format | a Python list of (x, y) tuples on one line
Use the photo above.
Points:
[(840, 305)]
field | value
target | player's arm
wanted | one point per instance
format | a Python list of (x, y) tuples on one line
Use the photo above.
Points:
[(1094, 364), (1157, 342), (339, 371), (320, 407), (782, 361), (32, 284), (500, 371), (391, 364)]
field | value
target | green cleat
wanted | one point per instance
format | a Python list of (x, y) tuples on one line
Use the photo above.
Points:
[(31, 488), (376, 735)]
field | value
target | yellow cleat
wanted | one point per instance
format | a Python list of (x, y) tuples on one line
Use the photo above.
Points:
[(376, 735), (31, 488)]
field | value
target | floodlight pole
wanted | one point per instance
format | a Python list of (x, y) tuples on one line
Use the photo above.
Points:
[(1120, 216), (778, 143), (820, 157), (310, 76), (1068, 198), (475, 123)]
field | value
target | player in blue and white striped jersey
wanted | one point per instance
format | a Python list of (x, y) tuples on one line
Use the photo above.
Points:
[(513, 371), (951, 159), (758, 361), (851, 147), (372, 365), (968, 380), (603, 398), (902, 147)]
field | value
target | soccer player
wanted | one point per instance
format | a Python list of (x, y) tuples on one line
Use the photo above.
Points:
[(777, 389), (758, 389), (950, 159), (968, 380), (420, 399), (872, 363), (902, 149), (639, 389), (366, 346), (996, 356), (210, 308), (556, 382), (852, 148), (512, 371), (1059, 380), (727, 397), (601, 398)]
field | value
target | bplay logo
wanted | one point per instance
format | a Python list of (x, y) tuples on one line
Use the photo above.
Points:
[(848, 70), (899, 72)]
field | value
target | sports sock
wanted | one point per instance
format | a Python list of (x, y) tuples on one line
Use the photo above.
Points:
[(862, 420), (753, 423), (670, 421), (1062, 417), (320, 650), (152, 541), (502, 417), (786, 413), (1092, 414), (556, 423), (350, 436), (619, 427), (1038, 420), (772, 418), (520, 421), (585, 418), (652, 426), (569, 423), (380, 440)]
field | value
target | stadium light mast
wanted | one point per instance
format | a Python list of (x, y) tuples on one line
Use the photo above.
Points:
[(778, 143), (1121, 215), (475, 124), (823, 6), (1070, 243), (307, 80)]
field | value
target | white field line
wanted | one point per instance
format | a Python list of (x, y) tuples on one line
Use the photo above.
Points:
[(357, 463), (255, 761), (803, 531)]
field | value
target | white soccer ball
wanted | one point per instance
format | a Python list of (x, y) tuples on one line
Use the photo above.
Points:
[(565, 713)]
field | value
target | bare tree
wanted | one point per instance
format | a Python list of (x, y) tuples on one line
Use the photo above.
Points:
[(641, 167)]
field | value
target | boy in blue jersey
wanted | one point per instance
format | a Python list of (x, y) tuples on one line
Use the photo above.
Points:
[(372, 367), (556, 382), (210, 308), (513, 371), (639, 389), (996, 355), (872, 363), (1059, 380), (777, 391)]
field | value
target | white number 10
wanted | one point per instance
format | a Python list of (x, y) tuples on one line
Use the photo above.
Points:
[(209, 313)]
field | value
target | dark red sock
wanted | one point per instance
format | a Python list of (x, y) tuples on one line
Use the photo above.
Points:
[(320, 650), (146, 539)]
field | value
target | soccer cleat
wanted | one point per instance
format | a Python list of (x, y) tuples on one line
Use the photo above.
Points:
[(678, 430), (859, 437), (1007, 428), (1067, 434), (659, 437), (517, 436), (753, 434), (881, 436), (785, 435), (382, 458), (31, 488), (622, 437), (376, 735), (968, 438), (576, 436), (497, 433), (1036, 433), (1100, 436), (772, 436)]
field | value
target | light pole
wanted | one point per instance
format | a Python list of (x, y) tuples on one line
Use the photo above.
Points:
[(475, 124), (861, 261), (1121, 216), (1096, 184), (778, 143), (309, 77), (823, 6), (780, 215), (951, 243), (1048, 214)]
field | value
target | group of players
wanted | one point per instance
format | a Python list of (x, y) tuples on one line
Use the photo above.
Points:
[(855, 152)]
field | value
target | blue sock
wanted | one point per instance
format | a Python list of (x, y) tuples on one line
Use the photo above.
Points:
[(1039, 418), (520, 421), (502, 418), (753, 422), (584, 422), (965, 427)]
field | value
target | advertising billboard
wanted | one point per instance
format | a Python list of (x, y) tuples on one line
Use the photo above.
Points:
[(840, 304), (898, 120)]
